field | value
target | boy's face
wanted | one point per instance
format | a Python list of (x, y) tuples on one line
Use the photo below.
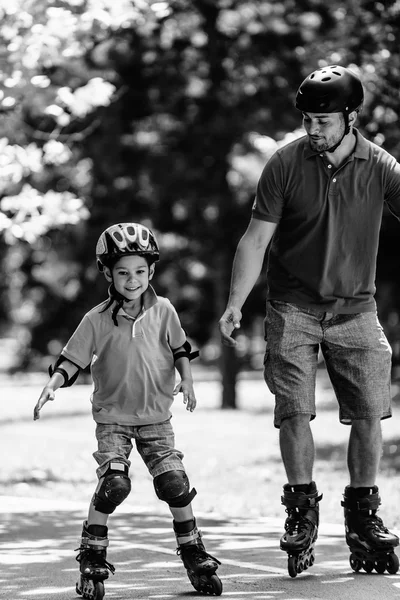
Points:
[(131, 276)]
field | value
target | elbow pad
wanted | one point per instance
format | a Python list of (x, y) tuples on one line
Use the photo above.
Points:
[(187, 351), (57, 368)]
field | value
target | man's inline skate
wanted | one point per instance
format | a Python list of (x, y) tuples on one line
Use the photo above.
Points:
[(94, 568), (200, 566), (301, 526), (371, 543)]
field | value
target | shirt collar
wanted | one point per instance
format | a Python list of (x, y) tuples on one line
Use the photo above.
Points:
[(361, 149), (149, 299)]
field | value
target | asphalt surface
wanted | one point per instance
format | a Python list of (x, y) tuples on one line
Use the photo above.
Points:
[(37, 557)]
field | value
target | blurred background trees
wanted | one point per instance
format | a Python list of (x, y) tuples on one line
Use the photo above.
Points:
[(165, 112)]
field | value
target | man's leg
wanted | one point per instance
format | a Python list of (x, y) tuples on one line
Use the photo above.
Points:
[(297, 449), (364, 452)]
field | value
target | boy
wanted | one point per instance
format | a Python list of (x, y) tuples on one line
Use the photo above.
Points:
[(133, 342)]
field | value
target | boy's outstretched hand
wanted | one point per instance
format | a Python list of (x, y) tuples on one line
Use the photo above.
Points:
[(46, 395), (186, 387)]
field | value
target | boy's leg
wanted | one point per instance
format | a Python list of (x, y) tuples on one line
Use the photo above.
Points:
[(114, 447), (156, 445)]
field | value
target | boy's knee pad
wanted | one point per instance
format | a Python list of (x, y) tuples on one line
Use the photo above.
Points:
[(113, 489), (173, 488)]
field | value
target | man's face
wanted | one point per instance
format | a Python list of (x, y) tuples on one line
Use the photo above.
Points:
[(324, 130)]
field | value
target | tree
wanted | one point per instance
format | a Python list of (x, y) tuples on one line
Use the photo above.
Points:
[(163, 112)]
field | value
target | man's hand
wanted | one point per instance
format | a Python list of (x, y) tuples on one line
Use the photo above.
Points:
[(186, 387), (46, 395), (229, 321)]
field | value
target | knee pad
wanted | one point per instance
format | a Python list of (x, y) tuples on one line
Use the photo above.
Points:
[(112, 489), (173, 488)]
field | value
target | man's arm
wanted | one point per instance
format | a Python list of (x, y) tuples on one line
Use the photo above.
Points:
[(246, 269)]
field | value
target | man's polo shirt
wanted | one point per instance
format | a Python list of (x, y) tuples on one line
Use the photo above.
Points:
[(323, 253), (132, 365)]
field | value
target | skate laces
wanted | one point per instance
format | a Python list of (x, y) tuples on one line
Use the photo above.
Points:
[(198, 554), (296, 522), (372, 522), (88, 554)]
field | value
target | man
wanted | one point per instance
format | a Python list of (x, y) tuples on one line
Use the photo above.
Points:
[(319, 202)]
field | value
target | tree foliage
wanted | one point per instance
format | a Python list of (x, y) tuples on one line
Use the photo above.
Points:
[(163, 112)]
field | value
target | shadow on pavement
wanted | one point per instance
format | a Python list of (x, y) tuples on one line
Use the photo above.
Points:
[(37, 559)]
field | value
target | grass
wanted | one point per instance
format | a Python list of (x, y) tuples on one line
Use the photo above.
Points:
[(232, 456)]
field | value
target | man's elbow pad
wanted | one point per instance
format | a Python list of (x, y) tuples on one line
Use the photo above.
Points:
[(57, 368), (186, 352)]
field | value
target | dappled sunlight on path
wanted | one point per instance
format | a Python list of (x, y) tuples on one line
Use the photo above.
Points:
[(37, 559)]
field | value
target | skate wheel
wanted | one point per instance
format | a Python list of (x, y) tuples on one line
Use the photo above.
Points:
[(368, 566), (216, 584), (380, 566), (355, 563), (98, 590), (206, 584), (90, 590), (392, 563), (292, 566)]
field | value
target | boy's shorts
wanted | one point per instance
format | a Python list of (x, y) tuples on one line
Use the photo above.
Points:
[(357, 357), (155, 444)]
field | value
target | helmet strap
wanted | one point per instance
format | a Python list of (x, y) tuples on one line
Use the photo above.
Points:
[(114, 296)]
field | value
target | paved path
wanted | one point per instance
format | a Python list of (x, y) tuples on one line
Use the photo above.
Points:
[(38, 542)]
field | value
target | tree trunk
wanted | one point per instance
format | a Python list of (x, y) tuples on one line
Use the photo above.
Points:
[(228, 362), (229, 372)]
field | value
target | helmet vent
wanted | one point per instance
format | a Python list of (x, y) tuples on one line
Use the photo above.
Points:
[(326, 78)]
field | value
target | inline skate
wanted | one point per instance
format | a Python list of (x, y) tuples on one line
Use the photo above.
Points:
[(371, 543), (200, 565), (301, 526), (94, 568)]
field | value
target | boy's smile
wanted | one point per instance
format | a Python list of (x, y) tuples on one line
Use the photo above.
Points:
[(131, 276)]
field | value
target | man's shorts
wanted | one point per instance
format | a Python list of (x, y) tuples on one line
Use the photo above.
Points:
[(155, 444), (357, 357)]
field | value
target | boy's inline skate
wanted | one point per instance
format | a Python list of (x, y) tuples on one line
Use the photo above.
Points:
[(301, 526), (371, 543), (94, 568), (200, 565)]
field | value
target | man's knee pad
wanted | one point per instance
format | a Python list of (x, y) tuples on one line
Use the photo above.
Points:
[(173, 488), (113, 489)]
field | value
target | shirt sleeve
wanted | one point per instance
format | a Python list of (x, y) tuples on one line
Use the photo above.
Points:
[(176, 336), (80, 347), (392, 190), (269, 200)]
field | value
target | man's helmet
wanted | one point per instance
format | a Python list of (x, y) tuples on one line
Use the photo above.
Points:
[(329, 90), (125, 239)]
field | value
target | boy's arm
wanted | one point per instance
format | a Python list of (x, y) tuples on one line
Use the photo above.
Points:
[(185, 386), (55, 381)]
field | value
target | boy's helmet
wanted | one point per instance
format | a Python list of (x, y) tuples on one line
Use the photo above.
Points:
[(330, 89), (125, 239)]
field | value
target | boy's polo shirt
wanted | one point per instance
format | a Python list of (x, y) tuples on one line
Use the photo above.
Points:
[(323, 253), (132, 365)]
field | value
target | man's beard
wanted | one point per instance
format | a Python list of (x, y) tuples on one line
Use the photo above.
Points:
[(324, 145)]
